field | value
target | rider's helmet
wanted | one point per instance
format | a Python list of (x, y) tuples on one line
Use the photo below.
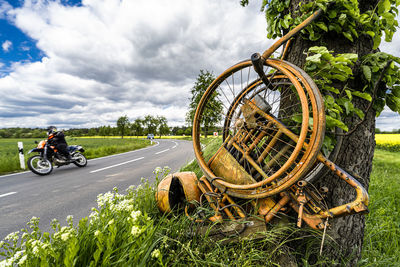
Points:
[(51, 130)]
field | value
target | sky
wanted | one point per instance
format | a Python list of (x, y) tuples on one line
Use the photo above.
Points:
[(76, 64)]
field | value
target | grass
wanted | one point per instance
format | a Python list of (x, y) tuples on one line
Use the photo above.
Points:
[(382, 236), (94, 148), (116, 233)]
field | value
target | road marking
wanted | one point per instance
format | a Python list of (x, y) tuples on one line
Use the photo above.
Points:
[(7, 194), (162, 151), (126, 152), (116, 165), (8, 175), (176, 144)]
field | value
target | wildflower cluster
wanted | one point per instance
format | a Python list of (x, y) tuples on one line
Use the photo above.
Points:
[(119, 229)]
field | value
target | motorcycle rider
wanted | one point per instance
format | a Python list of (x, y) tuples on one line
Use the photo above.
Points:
[(57, 139)]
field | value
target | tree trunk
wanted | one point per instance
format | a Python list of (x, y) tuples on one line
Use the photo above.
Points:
[(356, 152)]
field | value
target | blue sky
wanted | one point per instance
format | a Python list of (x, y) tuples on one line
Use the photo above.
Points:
[(85, 63)]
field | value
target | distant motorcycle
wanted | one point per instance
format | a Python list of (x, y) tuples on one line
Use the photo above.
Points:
[(42, 164)]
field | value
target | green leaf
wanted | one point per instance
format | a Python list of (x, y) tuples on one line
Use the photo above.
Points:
[(342, 19), (322, 26), (386, 5), (365, 96), (377, 40), (348, 36), (332, 13), (314, 58), (359, 113), (331, 89), (367, 72), (396, 90), (393, 102), (331, 123), (339, 77), (318, 49), (348, 93), (370, 33)]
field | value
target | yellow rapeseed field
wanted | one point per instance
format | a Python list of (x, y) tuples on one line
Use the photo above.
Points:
[(389, 142)]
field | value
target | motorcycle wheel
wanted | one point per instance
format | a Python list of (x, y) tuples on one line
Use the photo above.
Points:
[(80, 159), (40, 166)]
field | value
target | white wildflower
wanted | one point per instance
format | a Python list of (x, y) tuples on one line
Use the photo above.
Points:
[(107, 198), (158, 170), (35, 250), (156, 253), (111, 222), (12, 236), (6, 263), (136, 231), (97, 233), (65, 236), (22, 260), (135, 215)]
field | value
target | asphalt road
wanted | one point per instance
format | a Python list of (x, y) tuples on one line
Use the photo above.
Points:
[(70, 190)]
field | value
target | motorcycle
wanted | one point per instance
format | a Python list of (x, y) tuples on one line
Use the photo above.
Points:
[(42, 164)]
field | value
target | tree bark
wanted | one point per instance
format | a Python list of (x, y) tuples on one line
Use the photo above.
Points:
[(356, 152)]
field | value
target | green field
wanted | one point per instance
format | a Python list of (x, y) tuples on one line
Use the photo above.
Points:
[(94, 148)]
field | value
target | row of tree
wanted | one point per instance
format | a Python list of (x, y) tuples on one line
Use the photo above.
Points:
[(157, 125), (148, 125)]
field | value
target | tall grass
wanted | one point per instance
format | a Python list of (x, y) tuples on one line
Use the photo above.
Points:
[(94, 148)]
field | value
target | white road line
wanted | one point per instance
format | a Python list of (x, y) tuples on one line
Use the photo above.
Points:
[(12, 174), (116, 165), (7, 194), (126, 152), (162, 151), (176, 144)]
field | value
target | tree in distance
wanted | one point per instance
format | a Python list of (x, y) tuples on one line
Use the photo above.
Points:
[(122, 125), (213, 111), (137, 127), (163, 128)]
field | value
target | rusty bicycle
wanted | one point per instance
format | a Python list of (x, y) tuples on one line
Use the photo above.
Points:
[(273, 127)]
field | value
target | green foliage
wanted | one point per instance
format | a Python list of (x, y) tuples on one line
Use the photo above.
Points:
[(342, 17), (329, 71), (372, 66), (122, 124), (213, 111)]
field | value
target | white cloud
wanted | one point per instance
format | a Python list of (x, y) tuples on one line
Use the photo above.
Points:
[(109, 58), (105, 59), (6, 45)]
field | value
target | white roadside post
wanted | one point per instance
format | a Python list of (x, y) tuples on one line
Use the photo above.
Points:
[(21, 155)]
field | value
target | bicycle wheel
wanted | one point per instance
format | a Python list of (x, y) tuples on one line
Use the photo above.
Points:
[(271, 133)]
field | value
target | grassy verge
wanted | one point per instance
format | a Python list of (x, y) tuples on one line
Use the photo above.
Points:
[(127, 230), (94, 148), (382, 236)]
